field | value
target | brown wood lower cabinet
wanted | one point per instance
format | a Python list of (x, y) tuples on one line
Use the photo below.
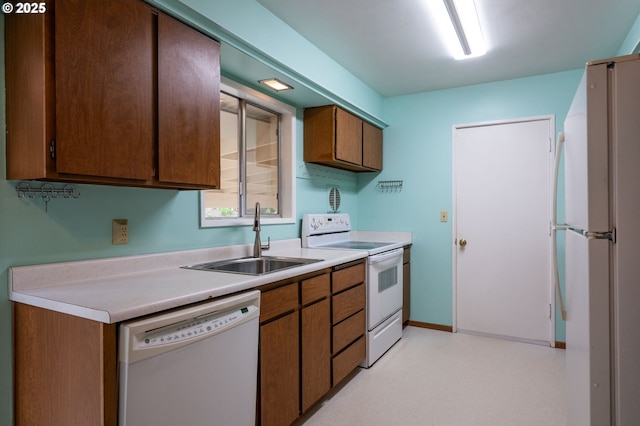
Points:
[(65, 369), (316, 352), (311, 338), (348, 319), (295, 348), (279, 374)]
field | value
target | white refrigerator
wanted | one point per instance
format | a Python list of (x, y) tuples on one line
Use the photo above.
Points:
[(602, 252)]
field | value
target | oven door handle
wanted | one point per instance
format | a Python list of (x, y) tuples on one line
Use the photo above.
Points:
[(386, 255)]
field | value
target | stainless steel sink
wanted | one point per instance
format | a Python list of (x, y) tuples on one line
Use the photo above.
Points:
[(253, 265)]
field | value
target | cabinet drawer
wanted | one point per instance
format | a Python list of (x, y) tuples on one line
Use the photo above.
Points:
[(278, 301), (348, 331), (348, 303), (348, 277), (315, 288), (348, 360)]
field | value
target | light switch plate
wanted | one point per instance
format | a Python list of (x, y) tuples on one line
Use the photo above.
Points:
[(119, 231), (444, 216)]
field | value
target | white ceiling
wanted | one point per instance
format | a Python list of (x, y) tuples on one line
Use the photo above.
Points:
[(392, 45)]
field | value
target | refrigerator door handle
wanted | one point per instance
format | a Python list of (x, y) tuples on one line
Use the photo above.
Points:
[(607, 235), (563, 312), (589, 235), (559, 145), (555, 227)]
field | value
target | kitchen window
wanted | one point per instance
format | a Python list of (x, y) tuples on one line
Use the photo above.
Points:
[(257, 152)]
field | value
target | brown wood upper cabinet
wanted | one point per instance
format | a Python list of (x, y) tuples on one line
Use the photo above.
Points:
[(334, 137), (112, 92)]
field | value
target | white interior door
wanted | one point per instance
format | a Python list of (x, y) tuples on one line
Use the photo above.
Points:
[(502, 196)]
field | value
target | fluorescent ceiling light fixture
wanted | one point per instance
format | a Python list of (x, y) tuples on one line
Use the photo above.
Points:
[(460, 26), (275, 84)]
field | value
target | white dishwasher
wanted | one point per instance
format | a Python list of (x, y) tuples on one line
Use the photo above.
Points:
[(193, 366)]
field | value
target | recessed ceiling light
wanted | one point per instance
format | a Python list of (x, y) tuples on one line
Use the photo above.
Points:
[(275, 84)]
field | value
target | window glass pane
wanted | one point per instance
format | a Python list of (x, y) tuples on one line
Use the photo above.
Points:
[(261, 160), (225, 203), (257, 161)]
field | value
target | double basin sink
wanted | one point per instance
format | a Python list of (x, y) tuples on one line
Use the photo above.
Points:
[(253, 265)]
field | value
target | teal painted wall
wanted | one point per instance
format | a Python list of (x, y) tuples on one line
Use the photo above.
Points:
[(631, 43), (418, 150)]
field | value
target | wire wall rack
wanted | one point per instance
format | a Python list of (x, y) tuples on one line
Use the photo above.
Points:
[(47, 192), (389, 185)]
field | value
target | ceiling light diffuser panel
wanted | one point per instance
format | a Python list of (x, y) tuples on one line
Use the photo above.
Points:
[(459, 25)]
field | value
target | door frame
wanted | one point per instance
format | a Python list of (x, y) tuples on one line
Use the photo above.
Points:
[(454, 247)]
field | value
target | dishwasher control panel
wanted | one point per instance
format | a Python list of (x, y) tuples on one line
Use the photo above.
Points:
[(149, 336), (197, 327)]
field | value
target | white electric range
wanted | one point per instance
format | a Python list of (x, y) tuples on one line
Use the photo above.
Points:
[(384, 276)]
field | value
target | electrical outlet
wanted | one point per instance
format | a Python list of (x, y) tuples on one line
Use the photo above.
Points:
[(120, 231), (444, 216)]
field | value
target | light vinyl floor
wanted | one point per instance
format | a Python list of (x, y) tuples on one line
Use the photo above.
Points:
[(452, 379)]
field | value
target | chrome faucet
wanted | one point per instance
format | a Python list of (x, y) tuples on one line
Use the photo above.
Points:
[(257, 245)]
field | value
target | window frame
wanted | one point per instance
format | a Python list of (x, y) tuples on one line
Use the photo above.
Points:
[(287, 158)]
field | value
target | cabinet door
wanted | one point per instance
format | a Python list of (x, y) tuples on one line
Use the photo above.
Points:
[(316, 352), (371, 146), (104, 64), (65, 369), (348, 137), (188, 105), (29, 125), (279, 371)]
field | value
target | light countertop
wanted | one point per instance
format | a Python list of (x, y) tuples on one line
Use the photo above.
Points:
[(117, 289)]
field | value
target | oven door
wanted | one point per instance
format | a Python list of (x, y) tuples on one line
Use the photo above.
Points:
[(384, 286)]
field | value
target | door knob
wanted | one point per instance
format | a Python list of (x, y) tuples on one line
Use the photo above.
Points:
[(463, 242)]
